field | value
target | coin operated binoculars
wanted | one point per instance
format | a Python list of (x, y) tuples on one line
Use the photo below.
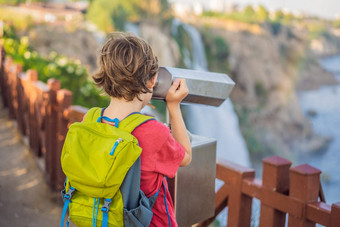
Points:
[(193, 188)]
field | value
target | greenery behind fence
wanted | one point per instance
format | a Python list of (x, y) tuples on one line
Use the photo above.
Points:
[(72, 75)]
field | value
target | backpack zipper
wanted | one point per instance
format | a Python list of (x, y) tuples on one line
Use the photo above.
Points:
[(115, 145)]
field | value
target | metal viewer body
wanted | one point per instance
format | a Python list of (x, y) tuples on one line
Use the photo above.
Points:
[(206, 88)]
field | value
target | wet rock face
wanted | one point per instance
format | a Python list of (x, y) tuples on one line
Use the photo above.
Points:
[(265, 68), (323, 46), (78, 44), (165, 48)]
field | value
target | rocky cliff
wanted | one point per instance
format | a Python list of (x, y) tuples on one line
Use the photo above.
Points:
[(266, 63), (165, 48)]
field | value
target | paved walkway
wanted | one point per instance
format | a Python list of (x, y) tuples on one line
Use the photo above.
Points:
[(25, 198)]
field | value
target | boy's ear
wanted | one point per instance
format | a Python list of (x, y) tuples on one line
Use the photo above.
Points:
[(152, 82)]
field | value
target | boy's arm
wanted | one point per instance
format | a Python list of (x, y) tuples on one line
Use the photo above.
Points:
[(177, 92)]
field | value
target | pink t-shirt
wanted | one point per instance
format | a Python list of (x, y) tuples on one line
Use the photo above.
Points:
[(161, 156)]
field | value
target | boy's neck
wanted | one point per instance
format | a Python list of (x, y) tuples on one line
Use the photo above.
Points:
[(120, 108)]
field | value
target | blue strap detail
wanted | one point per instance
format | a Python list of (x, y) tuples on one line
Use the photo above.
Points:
[(95, 219), (105, 219), (115, 145), (156, 194), (67, 223), (68, 198), (94, 214), (166, 206), (94, 208), (105, 209), (116, 121), (67, 202)]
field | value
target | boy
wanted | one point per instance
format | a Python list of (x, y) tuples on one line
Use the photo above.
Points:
[(127, 73)]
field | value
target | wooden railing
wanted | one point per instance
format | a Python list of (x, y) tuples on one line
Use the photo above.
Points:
[(44, 111), (282, 191)]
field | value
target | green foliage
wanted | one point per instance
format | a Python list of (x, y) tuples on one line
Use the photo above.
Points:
[(112, 15), (284, 18), (254, 136), (261, 93), (317, 30), (99, 12), (275, 27), (17, 2), (251, 136), (262, 13), (251, 15), (336, 23), (248, 15), (20, 21), (279, 15), (184, 42), (70, 73), (222, 48), (249, 12), (217, 52), (119, 17)]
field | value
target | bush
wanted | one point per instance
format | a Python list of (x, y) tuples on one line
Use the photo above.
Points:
[(217, 52), (72, 75), (20, 21), (261, 93), (275, 27)]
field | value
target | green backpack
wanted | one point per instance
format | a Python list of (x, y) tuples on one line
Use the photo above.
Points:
[(102, 167)]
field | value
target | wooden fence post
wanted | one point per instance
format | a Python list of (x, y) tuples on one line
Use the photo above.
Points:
[(64, 99), (40, 109), (239, 204), (335, 215), (2, 76), (15, 80), (13, 70), (304, 186), (33, 135), (275, 176), (7, 95), (51, 125), (21, 105)]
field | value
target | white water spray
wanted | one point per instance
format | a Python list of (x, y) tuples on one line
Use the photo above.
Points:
[(220, 122)]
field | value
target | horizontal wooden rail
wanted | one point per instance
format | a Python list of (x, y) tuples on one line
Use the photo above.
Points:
[(277, 200)]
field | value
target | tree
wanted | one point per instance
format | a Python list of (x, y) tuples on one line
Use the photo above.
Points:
[(119, 17), (99, 13), (262, 13), (336, 23), (249, 11), (279, 15), (109, 15)]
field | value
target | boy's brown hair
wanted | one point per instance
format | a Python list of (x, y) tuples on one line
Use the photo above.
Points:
[(126, 64)]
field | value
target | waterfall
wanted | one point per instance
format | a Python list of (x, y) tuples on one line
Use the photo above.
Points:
[(220, 122)]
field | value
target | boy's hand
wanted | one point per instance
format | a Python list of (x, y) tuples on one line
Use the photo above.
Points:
[(177, 92)]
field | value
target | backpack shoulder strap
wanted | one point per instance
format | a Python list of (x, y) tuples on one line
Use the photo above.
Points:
[(128, 124), (133, 121), (93, 114)]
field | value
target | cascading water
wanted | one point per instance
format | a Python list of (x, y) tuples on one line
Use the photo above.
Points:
[(220, 122)]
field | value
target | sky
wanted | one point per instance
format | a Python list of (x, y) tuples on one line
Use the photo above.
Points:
[(329, 9), (323, 8)]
